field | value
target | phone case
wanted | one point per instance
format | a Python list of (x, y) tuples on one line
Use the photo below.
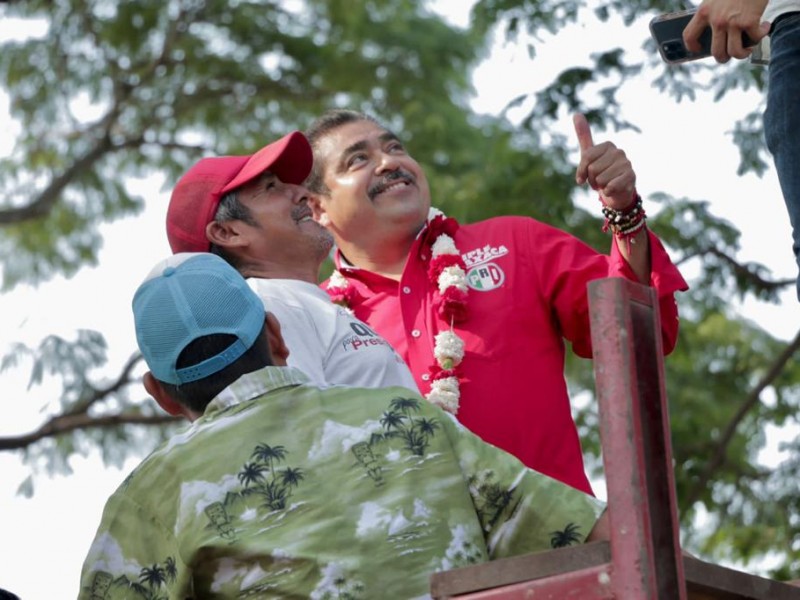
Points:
[(667, 31)]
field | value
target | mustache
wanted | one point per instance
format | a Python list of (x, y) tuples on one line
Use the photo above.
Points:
[(300, 211), (389, 179)]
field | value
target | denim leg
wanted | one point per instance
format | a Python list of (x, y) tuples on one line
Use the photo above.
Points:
[(782, 118)]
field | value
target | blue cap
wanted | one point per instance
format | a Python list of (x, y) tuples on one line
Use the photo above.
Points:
[(188, 296)]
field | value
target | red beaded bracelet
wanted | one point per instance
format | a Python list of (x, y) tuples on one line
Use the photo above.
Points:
[(626, 223)]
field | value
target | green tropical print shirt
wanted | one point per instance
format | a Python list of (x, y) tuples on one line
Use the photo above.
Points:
[(284, 490)]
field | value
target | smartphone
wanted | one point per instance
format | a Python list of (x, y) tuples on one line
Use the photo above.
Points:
[(667, 31)]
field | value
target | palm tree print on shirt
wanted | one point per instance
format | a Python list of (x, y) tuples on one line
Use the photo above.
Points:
[(261, 477), (149, 585), (568, 536), (491, 498), (399, 422)]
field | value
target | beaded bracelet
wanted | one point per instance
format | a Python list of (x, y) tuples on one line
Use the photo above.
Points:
[(626, 222)]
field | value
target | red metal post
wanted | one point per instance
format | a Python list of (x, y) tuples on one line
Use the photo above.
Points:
[(587, 584), (637, 452)]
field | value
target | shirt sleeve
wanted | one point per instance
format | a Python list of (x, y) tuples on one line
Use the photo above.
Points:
[(664, 278), (520, 510), (565, 266), (298, 330), (132, 551)]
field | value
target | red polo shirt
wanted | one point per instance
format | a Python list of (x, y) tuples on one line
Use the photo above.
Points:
[(527, 294)]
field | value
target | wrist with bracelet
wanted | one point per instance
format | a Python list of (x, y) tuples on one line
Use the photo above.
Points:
[(626, 222)]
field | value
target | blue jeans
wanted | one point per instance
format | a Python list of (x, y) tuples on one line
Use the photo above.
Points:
[(782, 118)]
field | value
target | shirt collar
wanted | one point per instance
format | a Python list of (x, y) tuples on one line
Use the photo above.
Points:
[(257, 383)]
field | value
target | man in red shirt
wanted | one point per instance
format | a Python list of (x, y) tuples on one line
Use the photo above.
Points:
[(479, 311)]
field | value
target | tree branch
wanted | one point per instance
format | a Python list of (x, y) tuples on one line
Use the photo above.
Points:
[(101, 393), (61, 424), (741, 270), (744, 272), (718, 457), (45, 201)]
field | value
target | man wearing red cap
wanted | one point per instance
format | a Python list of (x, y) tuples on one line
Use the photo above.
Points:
[(253, 212)]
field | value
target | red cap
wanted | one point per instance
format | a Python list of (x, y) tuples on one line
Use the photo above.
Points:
[(196, 196)]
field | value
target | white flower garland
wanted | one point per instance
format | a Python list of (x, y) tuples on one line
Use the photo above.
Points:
[(448, 348)]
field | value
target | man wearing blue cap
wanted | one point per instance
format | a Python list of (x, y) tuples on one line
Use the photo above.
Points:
[(283, 489), (253, 211)]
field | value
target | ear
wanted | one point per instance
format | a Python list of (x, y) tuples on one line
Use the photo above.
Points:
[(165, 401), (227, 234), (318, 211), (277, 346)]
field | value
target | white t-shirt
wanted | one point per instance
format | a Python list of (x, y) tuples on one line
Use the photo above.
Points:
[(326, 342), (776, 8)]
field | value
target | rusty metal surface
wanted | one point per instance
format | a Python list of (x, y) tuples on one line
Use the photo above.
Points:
[(634, 431), (516, 569), (643, 560), (501, 578), (593, 583)]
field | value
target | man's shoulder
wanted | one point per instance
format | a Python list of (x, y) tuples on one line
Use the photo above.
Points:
[(160, 466), (501, 221), (286, 289), (505, 229), (358, 393), (504, 224), (299, 301)]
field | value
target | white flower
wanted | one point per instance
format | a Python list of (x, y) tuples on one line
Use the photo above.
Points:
[(337, 281), (452, 276), (448, 345), (444, 394), (433, 213), (444, 244)]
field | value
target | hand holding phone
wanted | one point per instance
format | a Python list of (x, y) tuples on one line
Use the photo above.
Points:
[(668, 29)]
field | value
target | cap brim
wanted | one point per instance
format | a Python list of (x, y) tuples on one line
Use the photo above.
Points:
[(290, 158)]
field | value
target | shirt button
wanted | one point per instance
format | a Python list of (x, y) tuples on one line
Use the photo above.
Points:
[(426, 377), (406, 289), (416, 333), (423, 256)]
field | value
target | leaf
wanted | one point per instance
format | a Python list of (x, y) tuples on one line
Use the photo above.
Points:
[(25, 488)]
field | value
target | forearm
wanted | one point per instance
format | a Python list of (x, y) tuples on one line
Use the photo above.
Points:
[(635, 249)]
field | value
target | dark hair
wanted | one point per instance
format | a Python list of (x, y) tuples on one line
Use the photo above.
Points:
[(322, 126), (6, 595), (230, 209), (197, 394)]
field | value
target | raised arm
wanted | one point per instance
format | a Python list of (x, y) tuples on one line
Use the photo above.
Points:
[(607, 169)]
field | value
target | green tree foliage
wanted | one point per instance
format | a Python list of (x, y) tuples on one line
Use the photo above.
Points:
[(114, 90)]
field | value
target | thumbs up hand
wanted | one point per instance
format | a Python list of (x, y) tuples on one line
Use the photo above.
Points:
[(605, 167)]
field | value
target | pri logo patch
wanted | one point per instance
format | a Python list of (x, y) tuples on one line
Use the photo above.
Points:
[(485, 277)]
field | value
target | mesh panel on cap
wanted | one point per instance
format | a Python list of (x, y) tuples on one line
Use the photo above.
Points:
[(195, 297), (222, 295), (165, 329)]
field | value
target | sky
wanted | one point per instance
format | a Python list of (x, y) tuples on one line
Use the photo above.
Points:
[(47, 537)]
